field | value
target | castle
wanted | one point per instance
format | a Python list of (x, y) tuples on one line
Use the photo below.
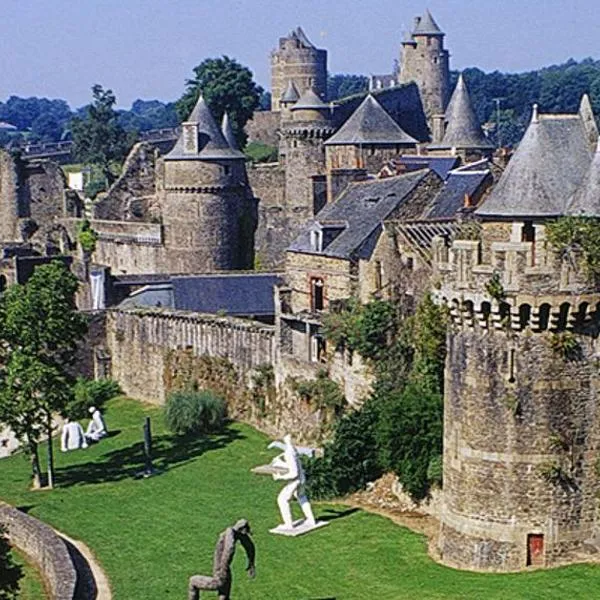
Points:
[(367, 200)]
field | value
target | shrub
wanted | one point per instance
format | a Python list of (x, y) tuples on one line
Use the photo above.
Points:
[(350, 460), (322, 392), (88, 393), (195, 412), (10, 573)]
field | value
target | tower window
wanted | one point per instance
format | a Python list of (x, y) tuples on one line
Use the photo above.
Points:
[(316, 293), (226, 170)]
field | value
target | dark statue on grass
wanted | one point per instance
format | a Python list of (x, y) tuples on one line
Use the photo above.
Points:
[(224, 551)]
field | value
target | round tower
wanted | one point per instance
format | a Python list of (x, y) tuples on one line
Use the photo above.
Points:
[(207, 211), (303, 149), (298, 61), (521, 418), (424, 60)]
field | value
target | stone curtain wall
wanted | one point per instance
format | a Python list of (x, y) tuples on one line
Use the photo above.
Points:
[(149, 347), (46, 549)]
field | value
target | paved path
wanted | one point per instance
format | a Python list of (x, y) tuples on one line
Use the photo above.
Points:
[(100, 585)]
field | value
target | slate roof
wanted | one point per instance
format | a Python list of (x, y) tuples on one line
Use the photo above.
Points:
[(235, 294), (157, 295), (362, 208), (227, 132), (309, 100), (370, 124), (464, 130), (299, 35), (585, 202), (549, 164), (451, 197), (442, 165), (211, 143), (427, 26), (589, 121), (291, 93)]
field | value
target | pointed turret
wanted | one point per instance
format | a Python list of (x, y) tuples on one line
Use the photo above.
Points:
[(201, 138), (463, 131), (227, 132), (586, 200), (370, 124), (291, 94), (426, 25), (589, 122), (548, 166)]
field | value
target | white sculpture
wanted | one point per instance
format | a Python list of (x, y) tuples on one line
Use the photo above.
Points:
[(96, 429), (287, 467), (72, 437)]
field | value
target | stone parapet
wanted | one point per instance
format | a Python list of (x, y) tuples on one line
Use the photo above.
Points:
[(45, 548)]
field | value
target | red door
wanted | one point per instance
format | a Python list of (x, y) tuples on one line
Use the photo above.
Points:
[(535, 550)]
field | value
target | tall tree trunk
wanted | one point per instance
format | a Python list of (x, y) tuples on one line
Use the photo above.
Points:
[(50, 451), (35, 463)]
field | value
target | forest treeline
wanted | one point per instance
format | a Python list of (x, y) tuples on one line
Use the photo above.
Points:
[(504, 98)]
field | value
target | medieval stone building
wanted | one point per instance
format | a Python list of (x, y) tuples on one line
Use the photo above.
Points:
[(297, 64), (521, 425)]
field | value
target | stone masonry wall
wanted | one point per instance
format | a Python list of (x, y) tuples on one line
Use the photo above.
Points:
[(132, 196), (139, 342), (263, 126), (46, 549), (9, 209)]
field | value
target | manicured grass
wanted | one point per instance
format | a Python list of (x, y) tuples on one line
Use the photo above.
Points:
[(151, 535), (31, 585)]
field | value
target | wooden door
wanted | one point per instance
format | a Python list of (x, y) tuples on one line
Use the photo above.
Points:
[(535, 550)]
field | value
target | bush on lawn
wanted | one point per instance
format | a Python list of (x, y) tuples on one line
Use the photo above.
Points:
[(195, 412), (88, 393)]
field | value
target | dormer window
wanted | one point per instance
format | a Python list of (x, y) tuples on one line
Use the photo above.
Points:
[(316, 240)]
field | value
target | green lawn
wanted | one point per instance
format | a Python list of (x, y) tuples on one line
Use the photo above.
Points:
[(31, 585), (151, 535)]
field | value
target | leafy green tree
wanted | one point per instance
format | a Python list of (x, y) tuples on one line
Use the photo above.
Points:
[(227, 86), (39, 331), (98, 138), (342, 85), (10, 573)]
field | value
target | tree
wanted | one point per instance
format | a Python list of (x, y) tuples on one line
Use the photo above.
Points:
[(10, 573), (98, 138), (227, 86), (342, 85), (39, 331)]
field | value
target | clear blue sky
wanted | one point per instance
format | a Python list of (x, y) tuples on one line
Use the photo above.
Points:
[(147, 48)]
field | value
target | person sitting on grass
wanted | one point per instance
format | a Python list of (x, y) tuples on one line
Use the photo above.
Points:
[(72, 437), (96, 429)]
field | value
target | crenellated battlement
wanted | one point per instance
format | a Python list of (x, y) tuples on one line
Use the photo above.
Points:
[(495, 283)]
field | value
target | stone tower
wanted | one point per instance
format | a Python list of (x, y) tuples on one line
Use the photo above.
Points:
[(207, 210), (462, 134), (424, 60), (522, 392), (302, 148), (297, 61)]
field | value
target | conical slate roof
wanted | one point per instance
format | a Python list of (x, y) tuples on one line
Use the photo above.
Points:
[(586, 200), (211, 142), (427, 26), (370, 124), (463, 131), (589, 122), (309, 100), (549, 164), (227, 132), (291, 93), (299, 34)]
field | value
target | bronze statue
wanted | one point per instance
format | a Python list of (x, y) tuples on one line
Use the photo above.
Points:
[(224, 551)]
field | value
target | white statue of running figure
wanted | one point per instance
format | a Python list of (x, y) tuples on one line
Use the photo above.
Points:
[(289, 468)]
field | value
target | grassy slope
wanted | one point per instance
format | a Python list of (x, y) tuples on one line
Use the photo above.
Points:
[(31, 585), (151, 535)]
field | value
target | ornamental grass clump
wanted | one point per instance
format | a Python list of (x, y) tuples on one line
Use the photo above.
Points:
[(195, 412)]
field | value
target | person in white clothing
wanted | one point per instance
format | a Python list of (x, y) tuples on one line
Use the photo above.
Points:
[(72, 436), (96, 429)]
